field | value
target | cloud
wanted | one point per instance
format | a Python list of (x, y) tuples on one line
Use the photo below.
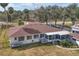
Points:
[(21, 6)]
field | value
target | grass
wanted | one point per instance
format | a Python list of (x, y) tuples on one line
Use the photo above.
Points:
[(4, 38), (37, 49)]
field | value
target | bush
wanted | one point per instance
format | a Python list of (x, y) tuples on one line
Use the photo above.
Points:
[(66, 43), (20, 22)]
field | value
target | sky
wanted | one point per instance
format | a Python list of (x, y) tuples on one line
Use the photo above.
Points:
[(32, 6)]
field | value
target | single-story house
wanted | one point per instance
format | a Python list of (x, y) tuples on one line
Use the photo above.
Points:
[(3, 24), (75, 28), (32, 33), (75, 38)]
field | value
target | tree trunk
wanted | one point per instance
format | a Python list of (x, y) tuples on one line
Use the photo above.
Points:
[(11, 17), (63, 23), (6, 17), (46, 19), (55, 22), (27, 17), (73, 22)]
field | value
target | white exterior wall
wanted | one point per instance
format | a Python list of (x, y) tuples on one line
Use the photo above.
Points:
[(13, 41), (77, 42), (30, 40)]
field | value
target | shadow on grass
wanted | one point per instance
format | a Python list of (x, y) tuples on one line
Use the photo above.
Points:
[(28, 46)]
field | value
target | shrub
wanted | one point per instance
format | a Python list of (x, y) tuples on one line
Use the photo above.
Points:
[(66, 43), (20, 22)]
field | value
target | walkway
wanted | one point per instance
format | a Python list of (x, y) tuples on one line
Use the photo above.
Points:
[(67, 48)]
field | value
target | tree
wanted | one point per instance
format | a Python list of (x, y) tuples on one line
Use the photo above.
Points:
[(20, 22), (73, 7), (41, 14), (19, 14), (55, 11), (73, 19), (56, 16), (10, 12), (4, 5), (26, 14), (46, 17), (64, 17)]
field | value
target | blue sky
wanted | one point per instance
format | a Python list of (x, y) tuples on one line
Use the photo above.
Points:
[(21, 6)]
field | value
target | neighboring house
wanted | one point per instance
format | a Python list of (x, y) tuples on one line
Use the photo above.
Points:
[(36, 32), (75, 38), (3, 24), (75, 28)]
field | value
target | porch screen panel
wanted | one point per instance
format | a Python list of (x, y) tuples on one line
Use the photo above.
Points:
[(51, 37), (57, 36), (42, 35)]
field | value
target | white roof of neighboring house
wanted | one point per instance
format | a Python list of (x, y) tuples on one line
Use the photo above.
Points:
[(5, 23), (59, 32), (75, 27), (2, 23)]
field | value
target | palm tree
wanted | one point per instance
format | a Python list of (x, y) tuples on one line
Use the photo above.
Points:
[(73, 19), (55, 11), (73, 8), (10, 12), (26, 14), (46, 15), (64, 16), (55, 18), (4, 5)]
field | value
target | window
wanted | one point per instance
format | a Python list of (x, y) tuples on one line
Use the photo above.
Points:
[(41, 35), (36, 36), (57, 36), (21, 38), (15, 38), (65, 37), (50, 37), (46, 36), (29, 37)]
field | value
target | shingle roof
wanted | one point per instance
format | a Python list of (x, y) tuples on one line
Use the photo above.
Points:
[(30, 29)]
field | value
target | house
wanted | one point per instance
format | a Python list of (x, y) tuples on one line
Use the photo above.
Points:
[(3, 24), (75, 28), (36, 32), (75, 38), (75, 35)]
